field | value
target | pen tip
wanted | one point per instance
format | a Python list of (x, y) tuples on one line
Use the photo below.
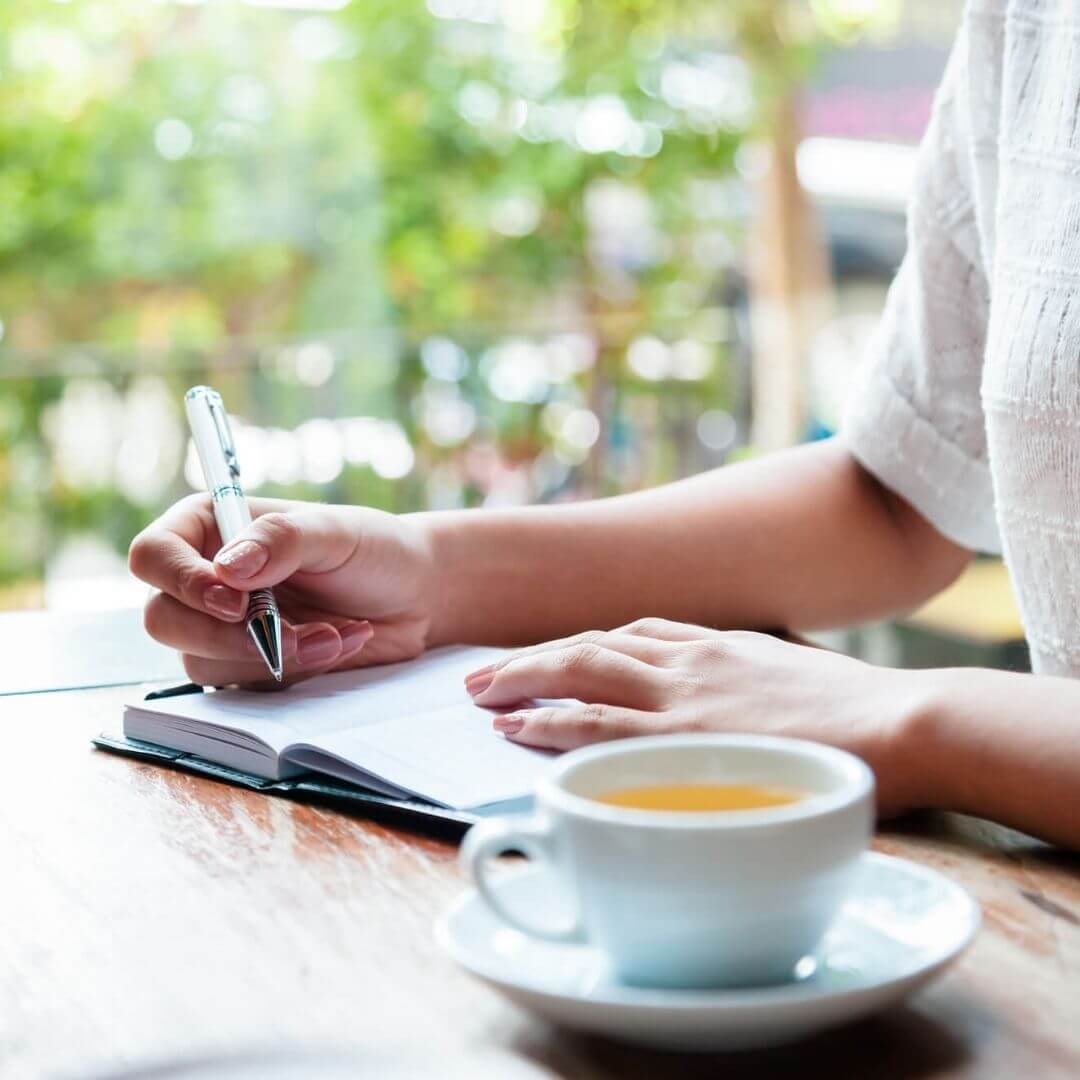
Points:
[(265, 629)]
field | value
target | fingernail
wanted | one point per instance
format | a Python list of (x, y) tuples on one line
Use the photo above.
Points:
[(354, 635), (244, 559), (222, 600), (480, 680), (317, 646), (509, 725)]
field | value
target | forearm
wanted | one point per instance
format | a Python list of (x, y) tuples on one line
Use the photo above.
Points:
[(999, 745), (800, 539)]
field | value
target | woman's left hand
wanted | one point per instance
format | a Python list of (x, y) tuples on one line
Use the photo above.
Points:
[(658, 677)]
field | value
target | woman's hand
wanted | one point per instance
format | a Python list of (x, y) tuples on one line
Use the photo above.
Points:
[(354, 587), (654, 677)]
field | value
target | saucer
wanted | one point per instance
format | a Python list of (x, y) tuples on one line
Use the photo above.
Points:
[(902, 925)]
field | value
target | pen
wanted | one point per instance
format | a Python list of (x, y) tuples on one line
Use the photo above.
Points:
[(217, 453)]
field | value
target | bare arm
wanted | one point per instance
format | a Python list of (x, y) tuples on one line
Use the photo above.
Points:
[(800, 539), (997, 744), (795, 540)]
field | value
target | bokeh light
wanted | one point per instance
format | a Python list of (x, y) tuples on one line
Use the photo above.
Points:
[(472, 252)]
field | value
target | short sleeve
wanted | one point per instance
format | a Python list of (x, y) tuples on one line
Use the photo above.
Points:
[(915, 418)]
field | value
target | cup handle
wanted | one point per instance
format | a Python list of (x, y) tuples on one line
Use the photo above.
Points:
[(531, 835)]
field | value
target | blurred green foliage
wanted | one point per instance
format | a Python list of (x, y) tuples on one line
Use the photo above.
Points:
[(188, 191), (316, 142)]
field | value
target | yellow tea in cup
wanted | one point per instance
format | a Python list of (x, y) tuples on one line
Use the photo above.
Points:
[(696, 798)]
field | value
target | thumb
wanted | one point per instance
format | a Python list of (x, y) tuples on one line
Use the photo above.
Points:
[(275, 546)]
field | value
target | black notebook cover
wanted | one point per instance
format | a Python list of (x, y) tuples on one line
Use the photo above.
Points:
[(310, 787)]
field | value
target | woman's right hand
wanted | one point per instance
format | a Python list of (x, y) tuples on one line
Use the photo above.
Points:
[(354, 586)]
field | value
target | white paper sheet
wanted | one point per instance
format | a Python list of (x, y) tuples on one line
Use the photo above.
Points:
[(410, 725)]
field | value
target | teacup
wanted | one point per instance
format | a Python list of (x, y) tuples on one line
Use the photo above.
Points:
[(691, 898)]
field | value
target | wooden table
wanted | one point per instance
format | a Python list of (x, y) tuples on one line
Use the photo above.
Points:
[(145, 913)]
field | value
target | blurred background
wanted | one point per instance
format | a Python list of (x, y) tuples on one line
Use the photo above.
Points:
[(443, 253)]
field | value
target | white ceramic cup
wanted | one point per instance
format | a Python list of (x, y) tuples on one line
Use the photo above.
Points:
[(689, 899)]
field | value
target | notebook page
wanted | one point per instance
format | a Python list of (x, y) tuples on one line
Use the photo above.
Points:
[(450, 756), (332, 702)]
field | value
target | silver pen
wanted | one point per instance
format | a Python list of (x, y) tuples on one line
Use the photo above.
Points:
[(217, 453)]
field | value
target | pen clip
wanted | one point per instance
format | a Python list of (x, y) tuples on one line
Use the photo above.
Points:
[(225, 437)]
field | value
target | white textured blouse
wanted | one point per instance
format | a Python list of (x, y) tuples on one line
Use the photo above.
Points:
[(969, 400)]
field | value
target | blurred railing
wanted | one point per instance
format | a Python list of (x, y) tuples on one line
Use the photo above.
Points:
[(93, 443)]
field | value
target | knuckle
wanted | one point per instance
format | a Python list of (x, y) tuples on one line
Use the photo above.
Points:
[(279, 528), (592, 721), (140, 553), (579, 657), (670, 655), (541, 721), (154, 616), (195, 669), (592, 637), (511, 665), (647, 627), (684, 685), (188, 579), (683, 721), (694, 722), (709, 650)]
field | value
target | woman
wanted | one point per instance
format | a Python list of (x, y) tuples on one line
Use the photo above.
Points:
[(964, 435)]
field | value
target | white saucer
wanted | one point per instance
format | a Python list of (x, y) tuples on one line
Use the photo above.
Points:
[(902, 925)]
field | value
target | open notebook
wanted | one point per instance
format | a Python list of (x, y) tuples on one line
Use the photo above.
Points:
[(402, 730)]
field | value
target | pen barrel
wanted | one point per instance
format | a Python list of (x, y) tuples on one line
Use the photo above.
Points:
[(214, 444), (212, 437), (230, 511), (211, 434)]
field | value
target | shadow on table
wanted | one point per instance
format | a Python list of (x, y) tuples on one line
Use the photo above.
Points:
[(971, 835), (902, 1043)]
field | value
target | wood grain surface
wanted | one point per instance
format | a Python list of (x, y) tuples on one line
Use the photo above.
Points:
[(145, 913)]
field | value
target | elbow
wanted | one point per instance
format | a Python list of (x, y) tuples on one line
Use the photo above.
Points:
[(930, 560)]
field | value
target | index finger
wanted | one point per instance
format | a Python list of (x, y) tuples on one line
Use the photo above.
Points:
[(649, 650), (170, 555), (588, 672)]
